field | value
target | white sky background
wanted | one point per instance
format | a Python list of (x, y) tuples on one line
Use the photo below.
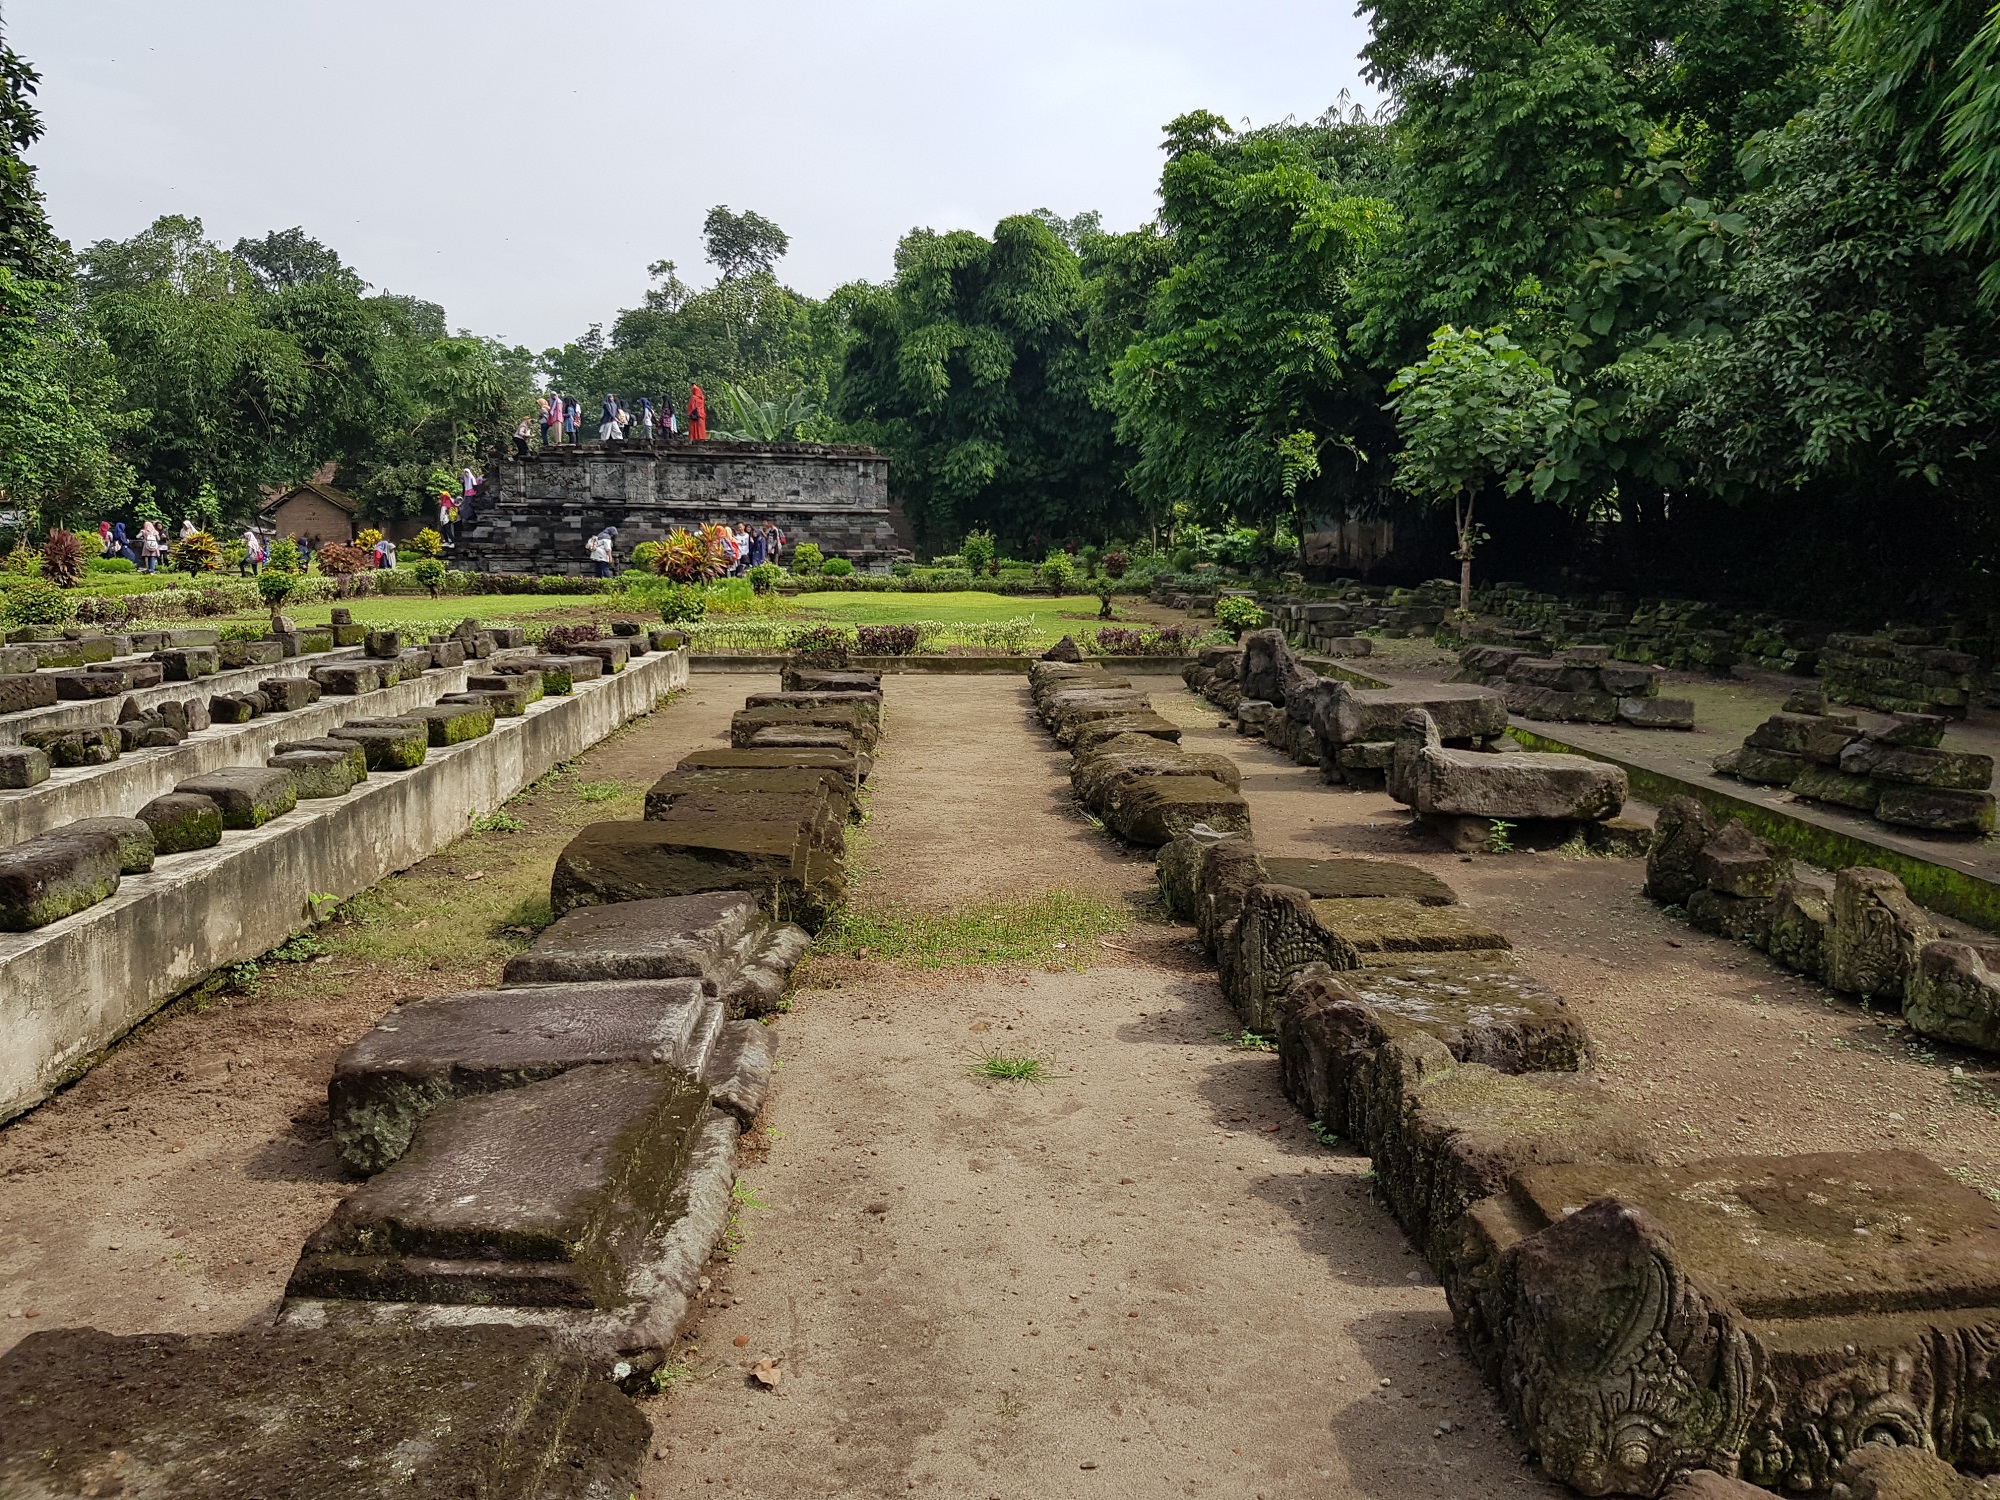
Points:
[(522, 164)]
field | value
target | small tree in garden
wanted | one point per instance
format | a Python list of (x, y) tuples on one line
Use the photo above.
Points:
[(683, 604), (1236, 613), (1115, 564), (1478, 409), (807, 559), (284, 557), (430, 573), (62, 558), (428, 543), (276, 585), (980, 551)]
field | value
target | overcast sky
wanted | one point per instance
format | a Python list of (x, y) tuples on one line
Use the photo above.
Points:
[(522, 164)]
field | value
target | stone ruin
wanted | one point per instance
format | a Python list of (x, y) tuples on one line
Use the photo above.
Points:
[(1897, 773), (1578, 685)]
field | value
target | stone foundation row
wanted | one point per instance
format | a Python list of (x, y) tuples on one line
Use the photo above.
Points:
[(1814, 1324)]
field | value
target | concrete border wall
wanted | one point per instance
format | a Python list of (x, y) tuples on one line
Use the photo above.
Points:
[(71, 989)]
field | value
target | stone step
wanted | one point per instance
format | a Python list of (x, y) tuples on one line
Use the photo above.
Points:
[(69, 989)]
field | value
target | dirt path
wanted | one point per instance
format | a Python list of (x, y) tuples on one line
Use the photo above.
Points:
[(1716, 1046), (171, 1187), (1140, 1278)]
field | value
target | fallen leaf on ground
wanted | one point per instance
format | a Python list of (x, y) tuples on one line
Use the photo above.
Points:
[(767, 1374), (477, 875)]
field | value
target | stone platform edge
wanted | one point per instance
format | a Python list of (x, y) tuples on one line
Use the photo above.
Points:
[(947, 665), (1960, 894), (68, 991)]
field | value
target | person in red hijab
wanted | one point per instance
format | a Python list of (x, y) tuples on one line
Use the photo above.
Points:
[(697, 415)]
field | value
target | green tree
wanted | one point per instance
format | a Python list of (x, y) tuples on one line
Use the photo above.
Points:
[(972, 369), (1477, 410), (739, 244)]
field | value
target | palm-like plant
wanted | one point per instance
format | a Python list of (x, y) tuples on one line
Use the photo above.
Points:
[(754, 421), (690, 556)]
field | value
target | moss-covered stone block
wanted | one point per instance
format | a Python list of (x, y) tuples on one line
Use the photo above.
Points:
[(249, 796), (1821, 783), (852, 769), (134, 836), (861, 728), (453, 723), (389, 744), (289, 694), (235, 654), (45, 879), (1952, 994), (316, 774), (795, 876), (188, 663), (1277, 936), (346, 679), (1151, 810), (22, 691), (1399, 925), (782, 781), (22, 766), (312, 641), (96, 745), (611, 655), (353, 751), (182, 822), (1736, 862), (1936, 809), (525, 681), (1876, 933), (1801, 916)]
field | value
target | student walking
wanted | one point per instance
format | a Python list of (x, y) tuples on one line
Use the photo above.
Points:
[(600, 550), (522, 434), (447, 518), (254, 553), (150, 546)]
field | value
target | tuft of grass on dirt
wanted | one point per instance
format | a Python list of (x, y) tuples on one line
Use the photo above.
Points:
[(1010, 1069), (1055, 927)]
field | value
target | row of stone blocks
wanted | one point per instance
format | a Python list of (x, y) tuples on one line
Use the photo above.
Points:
[(1863, 937), (548, 1165), (1701, 1329), (1128, 767), (1581, 684), (1898, 774)]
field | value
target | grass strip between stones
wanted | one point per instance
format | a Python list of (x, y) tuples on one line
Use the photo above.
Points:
[(1057, 927)]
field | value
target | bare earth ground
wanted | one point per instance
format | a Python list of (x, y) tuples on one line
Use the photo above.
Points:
[(1140, 1278), (171, 1187)]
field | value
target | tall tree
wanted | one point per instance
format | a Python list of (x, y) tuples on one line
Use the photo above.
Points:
[(741, 244)]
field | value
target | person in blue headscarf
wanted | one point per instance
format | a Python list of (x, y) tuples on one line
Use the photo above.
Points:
[(121, 545)]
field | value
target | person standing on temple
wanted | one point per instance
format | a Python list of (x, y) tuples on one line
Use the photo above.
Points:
[(608, 430), (697, 415), (757, 548), (551, 413), (673, 418), (645, 419), (523, 433), (570, 414)]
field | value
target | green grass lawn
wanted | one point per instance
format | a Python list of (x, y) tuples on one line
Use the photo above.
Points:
[(971, 607)]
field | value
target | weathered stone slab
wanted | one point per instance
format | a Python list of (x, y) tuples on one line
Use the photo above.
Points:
[(1936, 809), (1917, 765), (228, 709), (316, 774), (580, 667), (182, 822), (1225, 872), (289, 694), (791, 874), (1744, 919), (134, 836), (1518, 786), (1398, 925), (1553, 672), (723, 938), (503, 703), (868, 704), (1086, 735), (861, 727), (1821, 783), (389, 744), (1767, 1315), (779, 781), (384, 645), (542, 1196), (1357, 879), (816, 679), (1680, 832), (346, 633), (820, 816), (802, 737), (424, 1053), (1762, 767), (1344, 715), (1112, 761), (1801, 918), (15, 659), (1278, 935), (1876, 934), (45, 879), (1552, 704), (527, 682), (285, 1414), (1738, 863), (85, 683), (249, 796), (1952, 993), (1480, 1007), (1790, 733), (234, 654), (447, 653), (22, 766), (611, 655), (452, 723), (1150, 810), (740, 1069), (95, 745), (355, 753), (348, 678), (852, 769), (21, 691), (1657, 713), (187, 663)]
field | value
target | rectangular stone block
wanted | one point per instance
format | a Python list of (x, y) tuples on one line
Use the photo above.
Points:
[(389, 744), (349, 635), (1399, 925), (508, 637), (249, 796), (412, 662), (687, 853), (384, 645), (525, 681), (231, 710), (1151, 810), (97, 745), (1630, 679), (49, 654), (1787, 732), (348, 679), (45, 879), (724, 939), (356, 755), (447, 653), (1359, 879), (1554, 705), (316, 774), (541, 1196), (1952, 994), (187, 663), (453, 723), (1936, 809), (809, 679), (852, 769), (22, 766), (83, 683), (552, 671), (581, 668), (1086, 736), (424, 1053), (500, 1412), (781, 781), (1957, 770), (182, 821), (289, 694), (665, 640), (1517, 786), (1823, 783), (503, 704), (611, 655), (847, 718), (250, 653), (194, 635), (16, 659), (312, 641), (21, 691), (134, 836), (1345, 715), (740, 1069), (1657, 713), (1553, 673)]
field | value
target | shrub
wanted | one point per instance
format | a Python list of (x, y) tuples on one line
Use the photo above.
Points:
[(690, 557), (430, 573), (1115, 564), (274, 588), (21, 563), (1237, 613), (196, 553), (682, 604), (980, 551), (561, 637), (764, 577), (823, 646), (838, 567), (1058, 573), (1183, 559), (807, 559), (37, 602), (62, 558), (887, 640), (111, 565), (1086, 558), (646, 557), (342, 560), (1125, 640), (950, 560), (367, 537), (284, 557), (428, 543)]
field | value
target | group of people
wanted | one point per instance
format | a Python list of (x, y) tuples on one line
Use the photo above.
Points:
[(743, 548), (561, 420)]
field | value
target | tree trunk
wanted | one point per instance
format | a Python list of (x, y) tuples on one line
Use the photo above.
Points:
[(1465, 558)]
